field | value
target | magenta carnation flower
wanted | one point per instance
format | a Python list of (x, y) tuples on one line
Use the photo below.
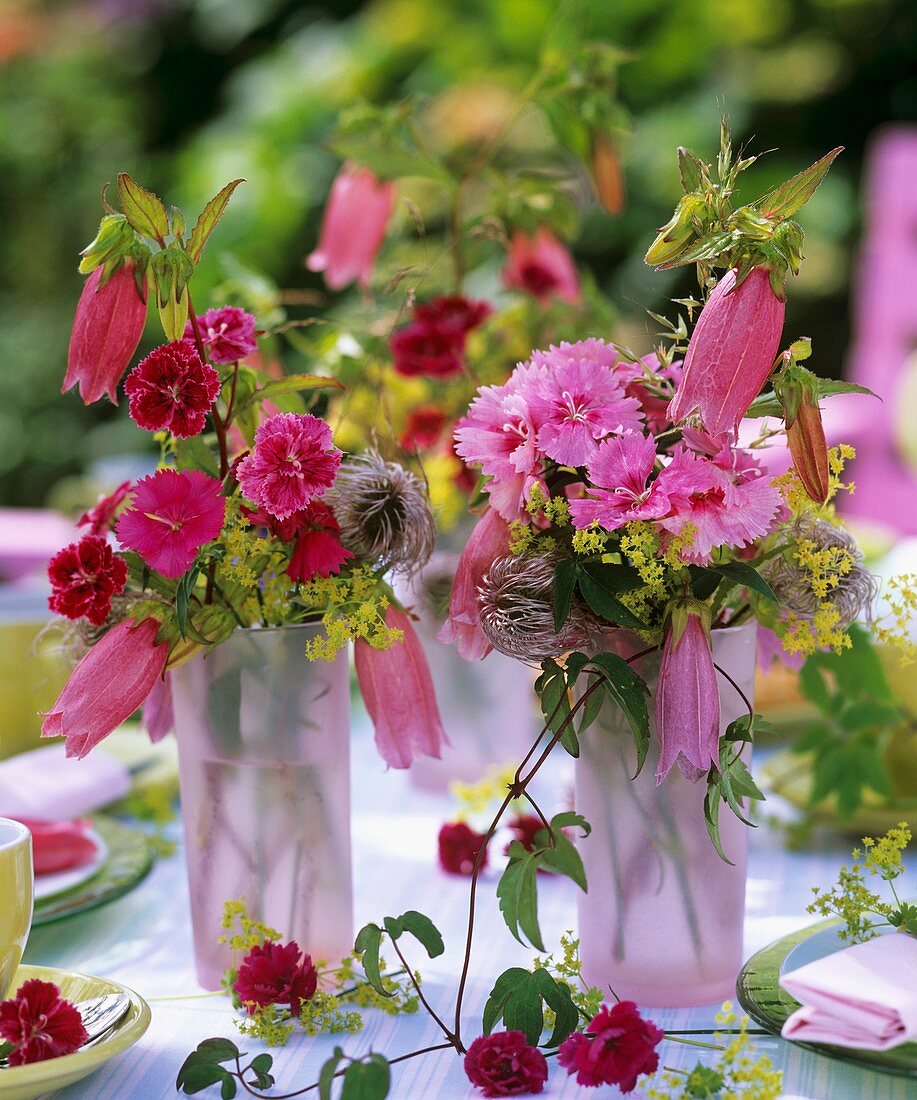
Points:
[(275, 974), (620, 487), (579, 399), (227, 333), (293, 463), (172, 390), (505, 1064), (616, 1048), (40, 1024), (172, 514)]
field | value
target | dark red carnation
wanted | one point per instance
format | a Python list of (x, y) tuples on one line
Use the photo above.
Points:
[(172, 390), (458, 848), (40, 1024), (615, 1049), (100, 518), (505, 1064), (318, 551), (424, 427), (84, 576), (424, 347), (275, 974), (453, 313)]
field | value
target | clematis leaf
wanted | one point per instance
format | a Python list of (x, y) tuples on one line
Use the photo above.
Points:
[(367, 945)]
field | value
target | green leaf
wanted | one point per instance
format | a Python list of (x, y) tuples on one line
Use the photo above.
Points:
[(196, 1078), (557, 996), (260, 1066), (367, 945), (768, 404), (6, 1049), (518, 898), (368, 1080), (564, 581), (630, 693), (792, 195), (599, 593), (505, 984), (194, 454), (707, 248), (524, 1011), (207, 222), (570, 819), (562, 857), (741, 573), (591, 708), (420, 927), (327, 1072), (555, 703), (218, 1050), (142, 208), (712, 801), (228, 1087), (295, 383)]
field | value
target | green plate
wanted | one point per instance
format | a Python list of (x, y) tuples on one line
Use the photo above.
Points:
[(769, 1004), (44, 1078), (128, 862)]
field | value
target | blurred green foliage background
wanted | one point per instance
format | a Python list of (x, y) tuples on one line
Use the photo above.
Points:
[(187, 94)]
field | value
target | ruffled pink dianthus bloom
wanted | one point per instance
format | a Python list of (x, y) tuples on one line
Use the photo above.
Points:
[(578, 399), (398, 691), (40, 1024), (172, 390), (506, 1064), (620, 486), (173, 513), (356, 218), (275, 974), (107, 686), (488, 541), (292, 464), (541, 266), (727, 500), (617, 1047), (227, 333), (84, 577)]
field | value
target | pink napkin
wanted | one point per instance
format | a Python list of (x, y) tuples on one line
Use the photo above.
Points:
[(45, 784), (864, 996)]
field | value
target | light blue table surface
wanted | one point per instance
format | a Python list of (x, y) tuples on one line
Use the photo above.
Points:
[(144, 940)]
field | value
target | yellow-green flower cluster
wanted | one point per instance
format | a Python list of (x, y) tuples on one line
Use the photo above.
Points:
[(248, 554), (590, 541), (352, 607), (822, 568), (640, 544), (851, 899), (477, 798), (243, 932), (568, 970), (795, 494), (895, 627), (739, 1073)]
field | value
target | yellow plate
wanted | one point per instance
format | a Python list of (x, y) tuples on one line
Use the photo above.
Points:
[(39, 1078)]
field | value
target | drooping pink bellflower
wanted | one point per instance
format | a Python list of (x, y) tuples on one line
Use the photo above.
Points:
[(541, 266)]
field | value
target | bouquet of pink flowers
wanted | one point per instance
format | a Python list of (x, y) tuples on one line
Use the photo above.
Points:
[(630, 507), (251, 518)]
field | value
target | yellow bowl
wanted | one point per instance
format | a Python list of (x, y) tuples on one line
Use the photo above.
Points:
[(29, 1082)]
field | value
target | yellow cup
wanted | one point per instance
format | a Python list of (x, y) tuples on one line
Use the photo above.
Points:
[(16, 889)]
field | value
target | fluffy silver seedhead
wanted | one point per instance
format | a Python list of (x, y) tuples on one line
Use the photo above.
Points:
[(515, 600), (856, 591), (384, 513)]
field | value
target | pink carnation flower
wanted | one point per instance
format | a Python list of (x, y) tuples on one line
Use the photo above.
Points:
[(506, 1064), (541, 266), (276, 974), (621, 490), (727, 500), (616, 1048), (227, 333), (292, 464), (100, 517), (172, 390), (172, 514), (579, 399)]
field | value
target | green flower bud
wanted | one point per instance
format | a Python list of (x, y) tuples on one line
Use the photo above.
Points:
[(677, 234), (111, 245)]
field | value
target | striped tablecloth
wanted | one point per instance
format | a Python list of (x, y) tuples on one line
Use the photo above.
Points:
[(144, 941)]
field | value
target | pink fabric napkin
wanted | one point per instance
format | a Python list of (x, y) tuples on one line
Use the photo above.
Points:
[(864, 996), (45, 784)]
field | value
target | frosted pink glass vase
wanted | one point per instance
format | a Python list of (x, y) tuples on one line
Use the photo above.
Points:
[(662, 921), (264, 767), (487, 707)]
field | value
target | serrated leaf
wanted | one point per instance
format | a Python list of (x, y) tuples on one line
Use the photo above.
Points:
[(142, 208), (792, 195), (741, 573), (556, 995), (503, 987), (630, 692), (518, 897), (564, 581), (367, 1080), (420, 927), (563, 858), (524, 1010), (207, 222), (327, 1072), (367, 945)]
